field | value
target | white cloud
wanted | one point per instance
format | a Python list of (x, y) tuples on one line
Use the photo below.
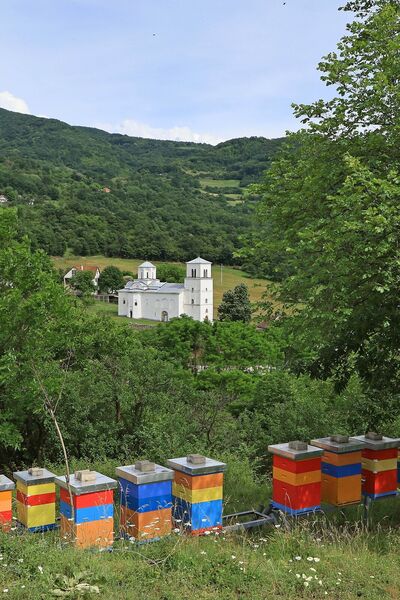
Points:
[(11, 102), (176, 133)]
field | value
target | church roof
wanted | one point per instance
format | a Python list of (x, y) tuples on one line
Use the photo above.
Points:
[(198, 260), (147, 265)]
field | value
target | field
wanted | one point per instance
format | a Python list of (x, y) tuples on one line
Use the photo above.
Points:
[(219, 183), (225, 278), (333, 557)]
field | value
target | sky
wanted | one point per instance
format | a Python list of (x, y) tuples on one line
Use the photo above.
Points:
[(196, 70)]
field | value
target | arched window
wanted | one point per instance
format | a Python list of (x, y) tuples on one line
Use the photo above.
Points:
[(193, 272), (205, 273), (192, 301), (206, 300)]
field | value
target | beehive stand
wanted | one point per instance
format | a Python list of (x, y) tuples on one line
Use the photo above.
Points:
[(6, 488), (197, 493), (36, 499), (296, 476), (92, 524), (146, 501), (341, 469)]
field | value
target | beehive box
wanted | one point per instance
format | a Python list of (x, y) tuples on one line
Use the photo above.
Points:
[(36, 499), (6, 489), (91, 523), (197, 493), (341, 469), (296, 477), (146, 501), (379, 465)]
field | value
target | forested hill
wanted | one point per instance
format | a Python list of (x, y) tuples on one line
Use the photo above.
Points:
[(91, 192)]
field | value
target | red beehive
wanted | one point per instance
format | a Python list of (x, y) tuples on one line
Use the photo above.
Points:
[(379, 465), (296, 477)]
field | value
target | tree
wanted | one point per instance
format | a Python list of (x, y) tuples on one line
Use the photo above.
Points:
[(235, 305), (330, 203), (82, 282), (111, 279), (171, 273)]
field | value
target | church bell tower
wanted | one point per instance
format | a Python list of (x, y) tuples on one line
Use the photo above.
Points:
[(199, 290)]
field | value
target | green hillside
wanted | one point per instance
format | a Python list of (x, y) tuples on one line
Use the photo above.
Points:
[(92, 192)]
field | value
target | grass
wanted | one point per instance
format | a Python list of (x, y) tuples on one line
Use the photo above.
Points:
[(334, 558), (222, 183), (225, 278)]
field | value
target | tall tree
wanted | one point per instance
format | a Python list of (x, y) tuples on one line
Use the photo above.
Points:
[(331, 208), (111, 279), (235, 305), (82, 282)]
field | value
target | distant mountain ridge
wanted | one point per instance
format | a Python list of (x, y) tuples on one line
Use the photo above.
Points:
[(93, 192)]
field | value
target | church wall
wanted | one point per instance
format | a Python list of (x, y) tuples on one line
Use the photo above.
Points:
[(154, 304)]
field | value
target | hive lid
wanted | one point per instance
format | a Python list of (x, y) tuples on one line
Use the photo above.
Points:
[(134, 475), (338, 444), (6, 484), (34, 476), (97, 484), (186, 465), (374, 441), (295, 451)]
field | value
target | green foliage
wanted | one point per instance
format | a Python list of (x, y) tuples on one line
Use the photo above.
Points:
[(235, 305), (58, 177), (111, 279), (82, 282), (330, 211), (171, 273)]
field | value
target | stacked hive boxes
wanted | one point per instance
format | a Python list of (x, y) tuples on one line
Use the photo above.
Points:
[(6, 488), (398, 467), (146, 500), (91, 523), (379, 465), (198, 493), (341, 469), (296, 477), (36, 499)]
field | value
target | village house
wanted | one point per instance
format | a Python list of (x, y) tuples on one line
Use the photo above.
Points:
[(70, 274), (149, 298)]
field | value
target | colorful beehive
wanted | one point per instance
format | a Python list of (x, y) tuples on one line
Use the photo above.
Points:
[(91, 523), (198, 492), (296, 477), (146, 501), (6, 488), (379, 464), (398, 468), (36, 499), (341, 469)]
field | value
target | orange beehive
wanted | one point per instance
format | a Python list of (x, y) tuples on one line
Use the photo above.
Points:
[(341, 469), (296, 477), (6, 488)]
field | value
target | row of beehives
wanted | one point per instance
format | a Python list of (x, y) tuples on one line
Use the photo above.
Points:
[(336, 470), (152, 498)]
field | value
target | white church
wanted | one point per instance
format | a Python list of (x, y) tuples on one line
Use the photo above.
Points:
[(149, 298)]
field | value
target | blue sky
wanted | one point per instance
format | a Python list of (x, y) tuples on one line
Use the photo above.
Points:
[(202, 70)]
